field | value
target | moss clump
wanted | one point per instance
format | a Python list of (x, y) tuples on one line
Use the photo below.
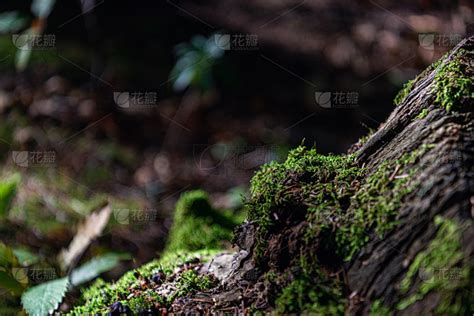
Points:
[(312, 292), (454, 82), (340, 202), (140, 289), (343, 206), (442, 269), (198, 226), (315, 181)]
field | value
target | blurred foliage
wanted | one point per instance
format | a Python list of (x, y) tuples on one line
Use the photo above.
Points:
[(195, 64), (14, 21)]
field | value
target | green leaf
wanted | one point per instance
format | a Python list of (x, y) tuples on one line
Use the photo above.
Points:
[(7, 258), (95, 267), (25, 257), (7, 193), (45, 298), (42, 8), (12, 21), (9, 283)]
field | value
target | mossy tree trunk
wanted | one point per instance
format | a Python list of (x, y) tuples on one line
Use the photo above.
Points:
[(424, 263), (385, 230), (445, 177)]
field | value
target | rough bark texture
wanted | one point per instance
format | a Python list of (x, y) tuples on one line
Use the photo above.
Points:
[(444, 178), (384, 230)]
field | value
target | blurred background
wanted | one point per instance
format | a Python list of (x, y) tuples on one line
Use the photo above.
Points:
[(136, 102)]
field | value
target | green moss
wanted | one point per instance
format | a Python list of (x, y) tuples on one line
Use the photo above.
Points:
[(137, 290), (454, 81), (342, 204), (401, 95), (442, 269), (422, 114), (190, 281), (320, 181), (379, 309), (408, 86), (198, 226), (304, 295)]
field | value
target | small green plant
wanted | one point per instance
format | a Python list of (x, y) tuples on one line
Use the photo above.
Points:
[(195, 64), (14, 21), (43, 298)]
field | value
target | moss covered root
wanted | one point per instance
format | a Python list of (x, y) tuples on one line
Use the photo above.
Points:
[(150, 288), (198, 233)]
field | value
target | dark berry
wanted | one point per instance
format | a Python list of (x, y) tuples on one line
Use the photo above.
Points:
[(115, 309), (158, 278)]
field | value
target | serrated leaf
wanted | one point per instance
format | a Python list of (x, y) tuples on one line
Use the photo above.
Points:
[(45, 298), (95, 267)]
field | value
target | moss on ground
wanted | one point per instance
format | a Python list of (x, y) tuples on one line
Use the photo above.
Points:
[(141, 290), (198, 232), (197, 225), (442, 269)]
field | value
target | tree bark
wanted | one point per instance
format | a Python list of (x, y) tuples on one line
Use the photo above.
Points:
[(445, 175)]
